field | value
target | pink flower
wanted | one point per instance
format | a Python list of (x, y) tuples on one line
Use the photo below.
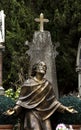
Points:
[(61, 127)]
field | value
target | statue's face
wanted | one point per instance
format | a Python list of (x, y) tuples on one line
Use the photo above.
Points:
[(41, 67)]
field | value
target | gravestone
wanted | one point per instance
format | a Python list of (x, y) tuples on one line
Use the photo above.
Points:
[(78, 66), (41, 49)]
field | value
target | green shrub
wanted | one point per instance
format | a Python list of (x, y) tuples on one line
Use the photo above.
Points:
[(68, 118), (5, 104), (13, 95)]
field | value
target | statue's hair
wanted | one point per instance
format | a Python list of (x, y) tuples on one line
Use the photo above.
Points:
[(34, 67)]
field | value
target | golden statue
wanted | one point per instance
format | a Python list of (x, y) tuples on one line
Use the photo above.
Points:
[(37, 101)]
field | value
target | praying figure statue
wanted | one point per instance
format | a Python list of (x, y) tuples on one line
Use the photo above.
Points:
[(37, 101)]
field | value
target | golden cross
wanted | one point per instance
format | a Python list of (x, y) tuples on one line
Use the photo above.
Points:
[(41, 20)]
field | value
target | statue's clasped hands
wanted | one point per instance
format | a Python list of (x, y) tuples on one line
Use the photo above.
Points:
[(70, 109)]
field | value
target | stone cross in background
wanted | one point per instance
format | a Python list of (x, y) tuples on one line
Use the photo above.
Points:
[(41, 20), (2, 39), (41, 49)]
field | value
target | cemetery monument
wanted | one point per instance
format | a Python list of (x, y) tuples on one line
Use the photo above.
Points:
[(41, 49)]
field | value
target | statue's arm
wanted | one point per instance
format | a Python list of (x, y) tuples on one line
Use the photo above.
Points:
[(17, 109), (63, 109)]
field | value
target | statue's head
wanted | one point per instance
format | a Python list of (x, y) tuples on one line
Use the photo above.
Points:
[(39, 67)]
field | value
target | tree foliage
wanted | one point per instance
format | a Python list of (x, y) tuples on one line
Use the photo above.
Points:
[(19, 28)]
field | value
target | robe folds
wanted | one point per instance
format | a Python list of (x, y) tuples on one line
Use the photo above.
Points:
[(39, 101)]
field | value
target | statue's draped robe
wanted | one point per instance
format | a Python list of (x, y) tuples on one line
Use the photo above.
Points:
[(39, 101)]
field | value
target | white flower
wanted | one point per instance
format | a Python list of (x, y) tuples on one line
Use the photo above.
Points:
[(61, 127)]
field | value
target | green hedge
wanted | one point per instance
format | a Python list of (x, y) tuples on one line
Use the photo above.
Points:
[(68, 118), (5, 104)]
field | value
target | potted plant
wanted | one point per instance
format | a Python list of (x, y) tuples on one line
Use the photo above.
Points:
[(6, 122), (68, 118)]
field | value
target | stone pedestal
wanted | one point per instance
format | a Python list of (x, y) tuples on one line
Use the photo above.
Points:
[(41, 49)]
